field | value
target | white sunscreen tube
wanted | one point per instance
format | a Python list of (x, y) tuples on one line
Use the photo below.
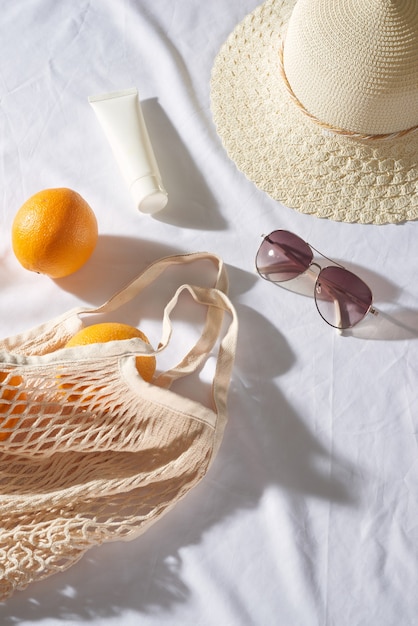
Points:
[(121, 117)]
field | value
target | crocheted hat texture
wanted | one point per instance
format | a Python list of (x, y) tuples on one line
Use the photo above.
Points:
[(317, 103)]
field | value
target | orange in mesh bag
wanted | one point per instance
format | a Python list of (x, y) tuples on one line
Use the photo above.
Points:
[(89, 451)]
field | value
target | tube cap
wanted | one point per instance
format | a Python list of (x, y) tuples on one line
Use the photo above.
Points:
[(148, 194)]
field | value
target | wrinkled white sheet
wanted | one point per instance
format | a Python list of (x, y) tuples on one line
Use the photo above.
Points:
[(309, 515)]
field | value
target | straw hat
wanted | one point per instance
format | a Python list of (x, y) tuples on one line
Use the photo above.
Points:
[(317, 102)]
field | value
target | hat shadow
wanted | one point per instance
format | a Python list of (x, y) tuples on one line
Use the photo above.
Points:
[(399, 324), (266, 446)]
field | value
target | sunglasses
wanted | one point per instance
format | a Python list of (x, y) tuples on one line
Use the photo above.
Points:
[(341, 297)]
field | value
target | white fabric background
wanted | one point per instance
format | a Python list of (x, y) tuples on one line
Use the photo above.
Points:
[(309, 515)]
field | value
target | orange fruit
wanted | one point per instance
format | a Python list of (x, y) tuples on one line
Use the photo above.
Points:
[(113, 331), (54, 232), (10, 392)]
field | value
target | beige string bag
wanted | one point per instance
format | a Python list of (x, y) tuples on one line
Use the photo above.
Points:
[(89, 451)]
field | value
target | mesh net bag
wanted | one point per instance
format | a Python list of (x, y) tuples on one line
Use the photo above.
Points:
[(89, 451)]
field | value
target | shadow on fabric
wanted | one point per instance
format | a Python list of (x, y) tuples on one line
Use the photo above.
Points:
[(397, 325), (190, 201), (263, 449)]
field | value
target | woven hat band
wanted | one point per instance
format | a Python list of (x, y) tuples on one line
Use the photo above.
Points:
[(353, 64)]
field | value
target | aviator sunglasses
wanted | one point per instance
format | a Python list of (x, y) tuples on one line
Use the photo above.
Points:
[(341, 297)]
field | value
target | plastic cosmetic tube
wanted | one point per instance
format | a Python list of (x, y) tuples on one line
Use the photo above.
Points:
[(121, 117)]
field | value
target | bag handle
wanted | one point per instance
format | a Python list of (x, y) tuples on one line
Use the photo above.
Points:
[(216, 304), (152, 272), (216, 301), (214, 298)]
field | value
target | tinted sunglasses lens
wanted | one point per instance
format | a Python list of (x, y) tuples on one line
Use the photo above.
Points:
[(341, 297), (282, 256)]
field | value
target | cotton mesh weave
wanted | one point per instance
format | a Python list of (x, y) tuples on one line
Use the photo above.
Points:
[(89, 451)]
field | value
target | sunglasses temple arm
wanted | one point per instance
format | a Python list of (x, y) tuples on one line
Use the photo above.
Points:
[(340, 331), (371, 310), (338, 316)]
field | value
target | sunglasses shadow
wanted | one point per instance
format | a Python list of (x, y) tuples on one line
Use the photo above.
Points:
[(402, 324), (396, 326)]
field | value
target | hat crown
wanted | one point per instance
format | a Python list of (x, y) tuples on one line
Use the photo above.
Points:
[(353, 64)]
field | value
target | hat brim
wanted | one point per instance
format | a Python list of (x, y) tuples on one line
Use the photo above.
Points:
[(287, 155)]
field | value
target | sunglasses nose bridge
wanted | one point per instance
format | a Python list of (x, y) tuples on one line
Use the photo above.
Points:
[(312, 271)]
